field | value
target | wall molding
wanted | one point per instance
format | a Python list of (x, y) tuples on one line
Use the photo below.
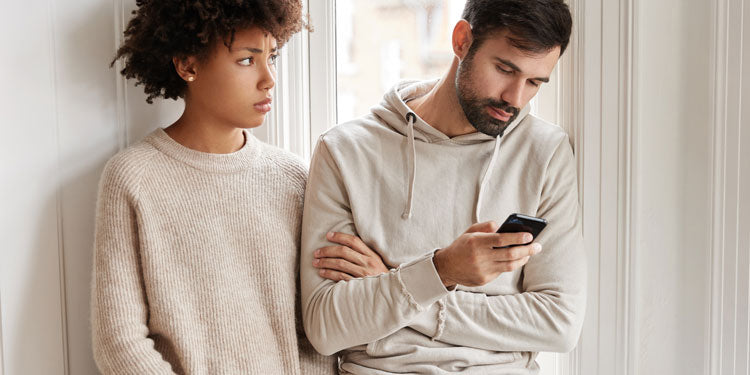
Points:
[(322, 51), (62, 284), (288, 124), (628, 198), (2, 347), (728, 331), (718, 50), (600, 94), (121, 17), (570, 103)]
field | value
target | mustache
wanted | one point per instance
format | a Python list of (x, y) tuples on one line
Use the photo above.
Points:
[(502, 105)]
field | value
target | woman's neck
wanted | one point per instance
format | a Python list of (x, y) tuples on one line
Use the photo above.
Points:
[(199, 133)]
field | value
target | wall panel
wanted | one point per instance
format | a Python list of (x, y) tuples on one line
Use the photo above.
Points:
[(30, 259), (86, 120), (730, 247), (672, 215)]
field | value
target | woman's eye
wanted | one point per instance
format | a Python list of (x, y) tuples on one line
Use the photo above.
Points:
[(272, 59), (246, 62)]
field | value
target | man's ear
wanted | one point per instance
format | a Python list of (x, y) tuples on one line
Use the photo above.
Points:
[(186, 67), (462, 39)]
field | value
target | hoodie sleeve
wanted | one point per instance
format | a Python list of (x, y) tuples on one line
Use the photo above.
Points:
[(548, 315), (345, 314)]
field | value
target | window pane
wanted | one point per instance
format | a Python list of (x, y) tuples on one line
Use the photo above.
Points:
[(381, 42)]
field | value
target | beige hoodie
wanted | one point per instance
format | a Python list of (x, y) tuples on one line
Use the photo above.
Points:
[(407, 189)]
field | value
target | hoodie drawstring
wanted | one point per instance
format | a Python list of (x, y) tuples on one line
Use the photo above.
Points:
[(487, 176), (411, 118)]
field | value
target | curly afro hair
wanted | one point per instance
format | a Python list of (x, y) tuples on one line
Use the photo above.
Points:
[(163, 29)]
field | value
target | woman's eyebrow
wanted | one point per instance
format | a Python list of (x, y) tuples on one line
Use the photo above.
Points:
[(258, 50)]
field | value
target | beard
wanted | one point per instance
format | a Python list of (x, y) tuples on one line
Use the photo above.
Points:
[(475, 108)]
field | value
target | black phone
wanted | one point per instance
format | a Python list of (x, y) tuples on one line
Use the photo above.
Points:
[(516, 223)]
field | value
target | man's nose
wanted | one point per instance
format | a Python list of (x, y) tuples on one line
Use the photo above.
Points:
[(513, 94)]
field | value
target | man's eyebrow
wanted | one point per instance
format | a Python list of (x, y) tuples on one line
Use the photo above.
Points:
[(258, 50), (517, 69)]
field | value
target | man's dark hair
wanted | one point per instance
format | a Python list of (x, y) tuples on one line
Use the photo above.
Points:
[(534, 25), (163, 29)]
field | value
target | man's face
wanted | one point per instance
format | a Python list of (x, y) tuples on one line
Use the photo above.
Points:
[(496, 80)]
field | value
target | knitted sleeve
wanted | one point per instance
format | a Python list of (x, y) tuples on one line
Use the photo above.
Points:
[(119, 308), (313, 363)]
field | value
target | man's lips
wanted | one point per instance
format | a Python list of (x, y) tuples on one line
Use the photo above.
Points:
[(264, 106), (499, 114)]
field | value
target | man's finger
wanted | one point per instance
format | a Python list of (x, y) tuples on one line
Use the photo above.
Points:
[(338, 264), (498, 240), (512, 239), (353, 242), (514, 253), (513, 265), (340, 252), (334, 275), (486, 227)]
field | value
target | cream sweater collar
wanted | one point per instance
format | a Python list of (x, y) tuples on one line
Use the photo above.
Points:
[(233, 162)]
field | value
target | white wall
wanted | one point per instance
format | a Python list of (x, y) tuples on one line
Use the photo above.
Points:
[(31, 264), (63, 116), (645, 144), (672, 174)]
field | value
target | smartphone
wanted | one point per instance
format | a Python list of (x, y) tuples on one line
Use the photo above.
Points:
[(523, 223)]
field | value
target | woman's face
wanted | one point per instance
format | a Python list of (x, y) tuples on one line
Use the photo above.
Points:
[(232, 86)]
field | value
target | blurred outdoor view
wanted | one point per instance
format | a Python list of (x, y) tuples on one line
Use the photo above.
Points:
[(381, 42)]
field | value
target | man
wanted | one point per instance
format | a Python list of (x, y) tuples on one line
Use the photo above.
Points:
[(405, 181)]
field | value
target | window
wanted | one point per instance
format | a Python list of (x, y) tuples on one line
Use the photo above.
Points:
[(382, 42), (361, 48)]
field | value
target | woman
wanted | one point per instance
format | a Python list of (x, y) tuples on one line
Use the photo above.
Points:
[(197, 227)]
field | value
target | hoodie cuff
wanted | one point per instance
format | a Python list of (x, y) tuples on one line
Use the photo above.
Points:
[(421, 282)]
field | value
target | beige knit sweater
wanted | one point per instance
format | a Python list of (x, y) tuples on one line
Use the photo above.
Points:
[(195, 263)]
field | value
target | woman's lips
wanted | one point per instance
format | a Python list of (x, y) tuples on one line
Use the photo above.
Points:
[(499, 114), (264, 106)]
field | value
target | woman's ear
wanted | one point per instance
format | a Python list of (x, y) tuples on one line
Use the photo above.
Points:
[(186, 67), (462, 39)]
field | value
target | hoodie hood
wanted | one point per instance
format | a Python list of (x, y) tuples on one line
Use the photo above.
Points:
[(393, 110), (397, 115)]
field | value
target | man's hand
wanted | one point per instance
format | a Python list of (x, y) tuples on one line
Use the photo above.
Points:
[(352, 259), (474, 259)]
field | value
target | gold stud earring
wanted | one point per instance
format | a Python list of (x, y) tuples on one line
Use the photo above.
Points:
[(191, 79)]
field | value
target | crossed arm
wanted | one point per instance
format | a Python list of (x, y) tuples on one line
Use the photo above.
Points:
[(338, 269)]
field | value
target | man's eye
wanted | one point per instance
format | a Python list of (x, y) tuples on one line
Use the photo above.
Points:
[(503, 70), (534, 83), (272, 59), (246, 62)]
